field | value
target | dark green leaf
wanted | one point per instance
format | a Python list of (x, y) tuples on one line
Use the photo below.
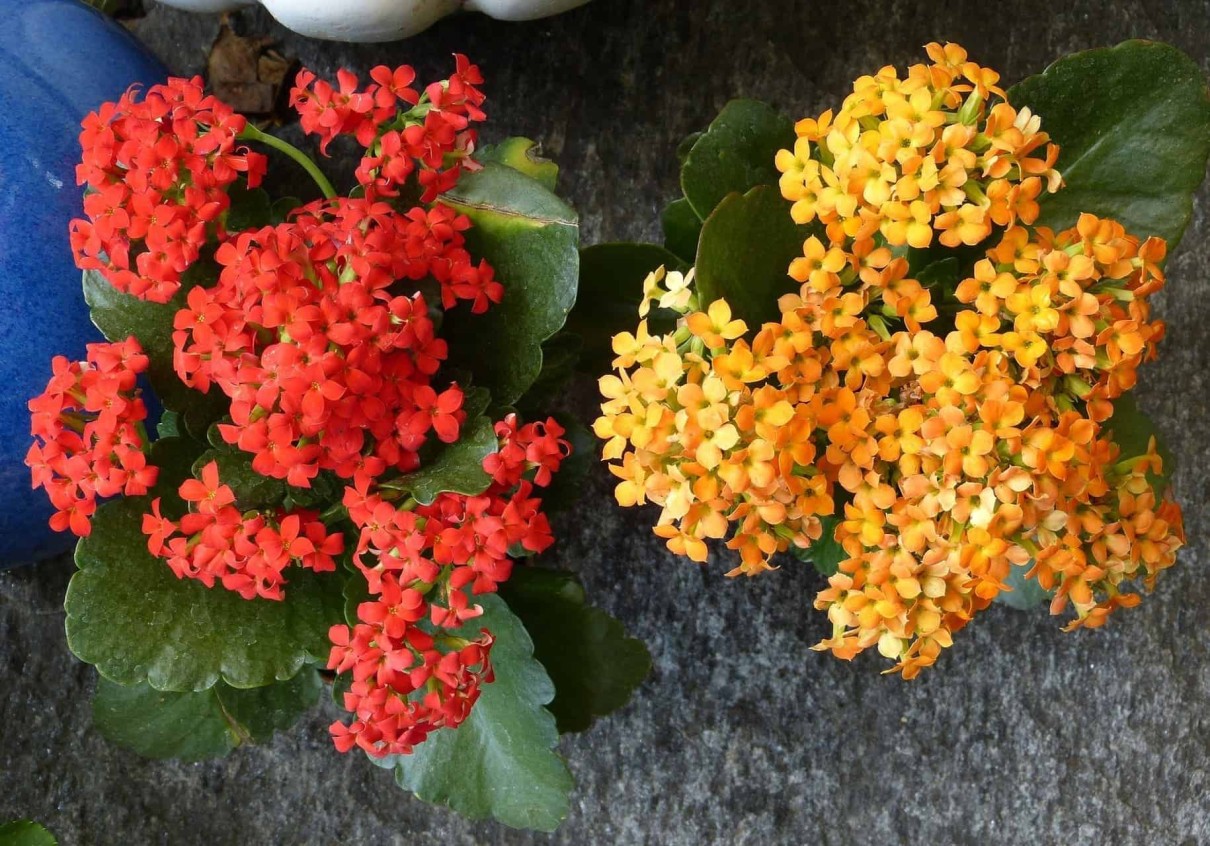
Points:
[(1131, 429), (251, 208), (1133, 126), (326, 488), (825, 554), (611, 286), (251, 489), (560, 355), (594, 665), (1026, 594), (119, 316), (131, 617), (457, 467), (683, 148), (524, 155), (169, 425), (282, 207), (25, 833), (530, 237), (501, 762), (200, 724), (682, 228), (735, 154), (746, 246)]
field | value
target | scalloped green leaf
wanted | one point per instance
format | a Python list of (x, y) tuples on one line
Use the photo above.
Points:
[(735, 154), (1131, 429), (531, 238), (119, 316), (25, 833), (1133, 126), (501, 762), (594, 665), (132, 618), (251, 208), (746, 246), (524, 155), (456, 467), (611, 286), (202, 724), (682, 229)]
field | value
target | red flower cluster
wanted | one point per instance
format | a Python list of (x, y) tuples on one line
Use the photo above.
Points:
[(89, 433), (318, 352), (423, 139), (157, 173), (428, 562), (246, 552)]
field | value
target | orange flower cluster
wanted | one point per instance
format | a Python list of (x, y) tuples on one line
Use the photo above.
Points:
[(948, 429)]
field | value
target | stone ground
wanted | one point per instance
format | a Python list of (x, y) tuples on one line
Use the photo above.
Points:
[(1022, 734)]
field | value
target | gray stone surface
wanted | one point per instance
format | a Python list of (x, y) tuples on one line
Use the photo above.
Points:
[(1021, 734)]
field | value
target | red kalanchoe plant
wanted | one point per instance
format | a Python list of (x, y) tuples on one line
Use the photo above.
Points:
[(341, 379)]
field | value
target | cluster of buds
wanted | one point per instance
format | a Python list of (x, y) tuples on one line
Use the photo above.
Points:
[(947, 432)]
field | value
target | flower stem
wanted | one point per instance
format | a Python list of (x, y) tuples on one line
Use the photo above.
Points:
[(251, 133)]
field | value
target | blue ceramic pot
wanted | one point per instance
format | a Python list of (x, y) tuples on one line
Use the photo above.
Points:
[(59, 60)]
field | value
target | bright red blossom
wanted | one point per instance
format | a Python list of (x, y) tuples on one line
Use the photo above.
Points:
[(89, 438), (157, 172)]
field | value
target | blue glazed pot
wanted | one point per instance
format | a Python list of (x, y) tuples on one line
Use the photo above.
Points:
[(59, 60)]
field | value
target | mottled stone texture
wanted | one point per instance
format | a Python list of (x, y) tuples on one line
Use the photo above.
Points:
[(1022, 734)]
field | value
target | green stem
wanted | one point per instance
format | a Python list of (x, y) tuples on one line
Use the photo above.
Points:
[(251, 133)]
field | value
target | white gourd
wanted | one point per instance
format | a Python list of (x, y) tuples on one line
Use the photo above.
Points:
[(378, 20)]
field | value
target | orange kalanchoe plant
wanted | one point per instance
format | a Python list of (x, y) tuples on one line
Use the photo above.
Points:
[(934, 401)]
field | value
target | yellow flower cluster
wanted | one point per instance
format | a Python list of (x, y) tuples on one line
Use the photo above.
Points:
[(949, 431)]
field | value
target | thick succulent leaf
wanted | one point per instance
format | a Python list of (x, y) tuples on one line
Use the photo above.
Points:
[(825, 554), (611, 286), (524, 155), (1132, 430), (131, 617), (682, 228), (501, 762), (251, 208), (119, 316), (456, 467), (531, 238), (201, 724), (735, 154), (1025, 593), (1133, 126), (25, 833), (746, 246), (595, 666)]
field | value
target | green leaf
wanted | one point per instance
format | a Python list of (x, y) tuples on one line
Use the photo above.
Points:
[(251, 208), (1026, 594), (119, 316), (1131, 429), (25, 833), (530, 237), (568, 484), (282, 207), (824, 554), (1133, 126), (594, 665), (203, 724), (131, 617), (457, 467), (560, 355), (326, 488), (682, 229), (524, 155), (735, 154), (501, 762), (683, 148), (169, 426), (251, 489), (746, 246), (611, 286)]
